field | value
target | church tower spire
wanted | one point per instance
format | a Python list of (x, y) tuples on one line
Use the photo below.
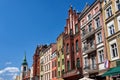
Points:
[(24, 60), (24, 67)]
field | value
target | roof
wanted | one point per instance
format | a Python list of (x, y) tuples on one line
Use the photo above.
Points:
[(24, 60)]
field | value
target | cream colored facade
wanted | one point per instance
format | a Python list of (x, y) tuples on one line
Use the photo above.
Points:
[(41, 66), (111, 18), (60, 57)]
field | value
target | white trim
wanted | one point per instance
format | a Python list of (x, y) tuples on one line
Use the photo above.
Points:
[(108, 25), (110, 43), (118, 21), (98, 53)]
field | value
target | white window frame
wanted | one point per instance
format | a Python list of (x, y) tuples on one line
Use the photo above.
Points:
[(108, 27), (111, 54), (100, 36), (105, 2), (109, 12), (89, 16), (118, 20), (103, 54), (97, 21), (116, 5)]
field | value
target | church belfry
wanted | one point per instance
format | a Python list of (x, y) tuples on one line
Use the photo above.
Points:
[(24, 67)]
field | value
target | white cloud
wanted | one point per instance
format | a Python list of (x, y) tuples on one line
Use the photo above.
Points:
[(9, 73), (8, 63), (14, 76), (9, 69)]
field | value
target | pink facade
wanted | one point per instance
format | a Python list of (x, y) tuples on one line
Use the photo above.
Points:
[(47, 62), (93, 40)]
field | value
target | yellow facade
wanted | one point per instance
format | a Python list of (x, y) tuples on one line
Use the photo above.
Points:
[(111, 14), (60, 57)]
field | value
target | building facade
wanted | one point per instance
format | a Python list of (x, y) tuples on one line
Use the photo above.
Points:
[(60, 57), (111, 19), (47, 65), (54, 65), (36, 62), (93, 40), (72, 47), (41, 65)]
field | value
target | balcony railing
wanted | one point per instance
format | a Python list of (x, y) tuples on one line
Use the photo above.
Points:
[(91, 68), (71, 73), (90, 47), (87, 33)]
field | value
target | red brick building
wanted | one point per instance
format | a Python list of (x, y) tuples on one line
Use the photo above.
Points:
[(36, 62), (54, 64), (72, 47)]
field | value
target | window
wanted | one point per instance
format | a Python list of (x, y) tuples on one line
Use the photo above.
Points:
[(77, 47), (76, 28), (55, 63), (62, 61), (93, 65), (52, 64), (78, 63), (67, 48), (101, 56), (99, 37), (68, 65), (52, 74), (58, 54), (89, 27), (83, 32), (41, 68), (63, 71), (55, 73), (118, 4), (59, 64), (119, 23), (97, 22), (86, 61), (71, 32), (108, 12), (58, 73), (91, 43), (89, 16), (105, 1), (41, 77), (111, 29), (114, 50)]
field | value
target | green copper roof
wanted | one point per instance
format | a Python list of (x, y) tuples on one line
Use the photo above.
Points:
[(24, 60)]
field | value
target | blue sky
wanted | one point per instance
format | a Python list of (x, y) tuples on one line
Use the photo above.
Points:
[(24, 24)]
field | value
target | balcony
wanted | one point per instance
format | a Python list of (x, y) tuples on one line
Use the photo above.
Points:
[(88, 33), (91, 68), (88, 48), (71, 73)]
